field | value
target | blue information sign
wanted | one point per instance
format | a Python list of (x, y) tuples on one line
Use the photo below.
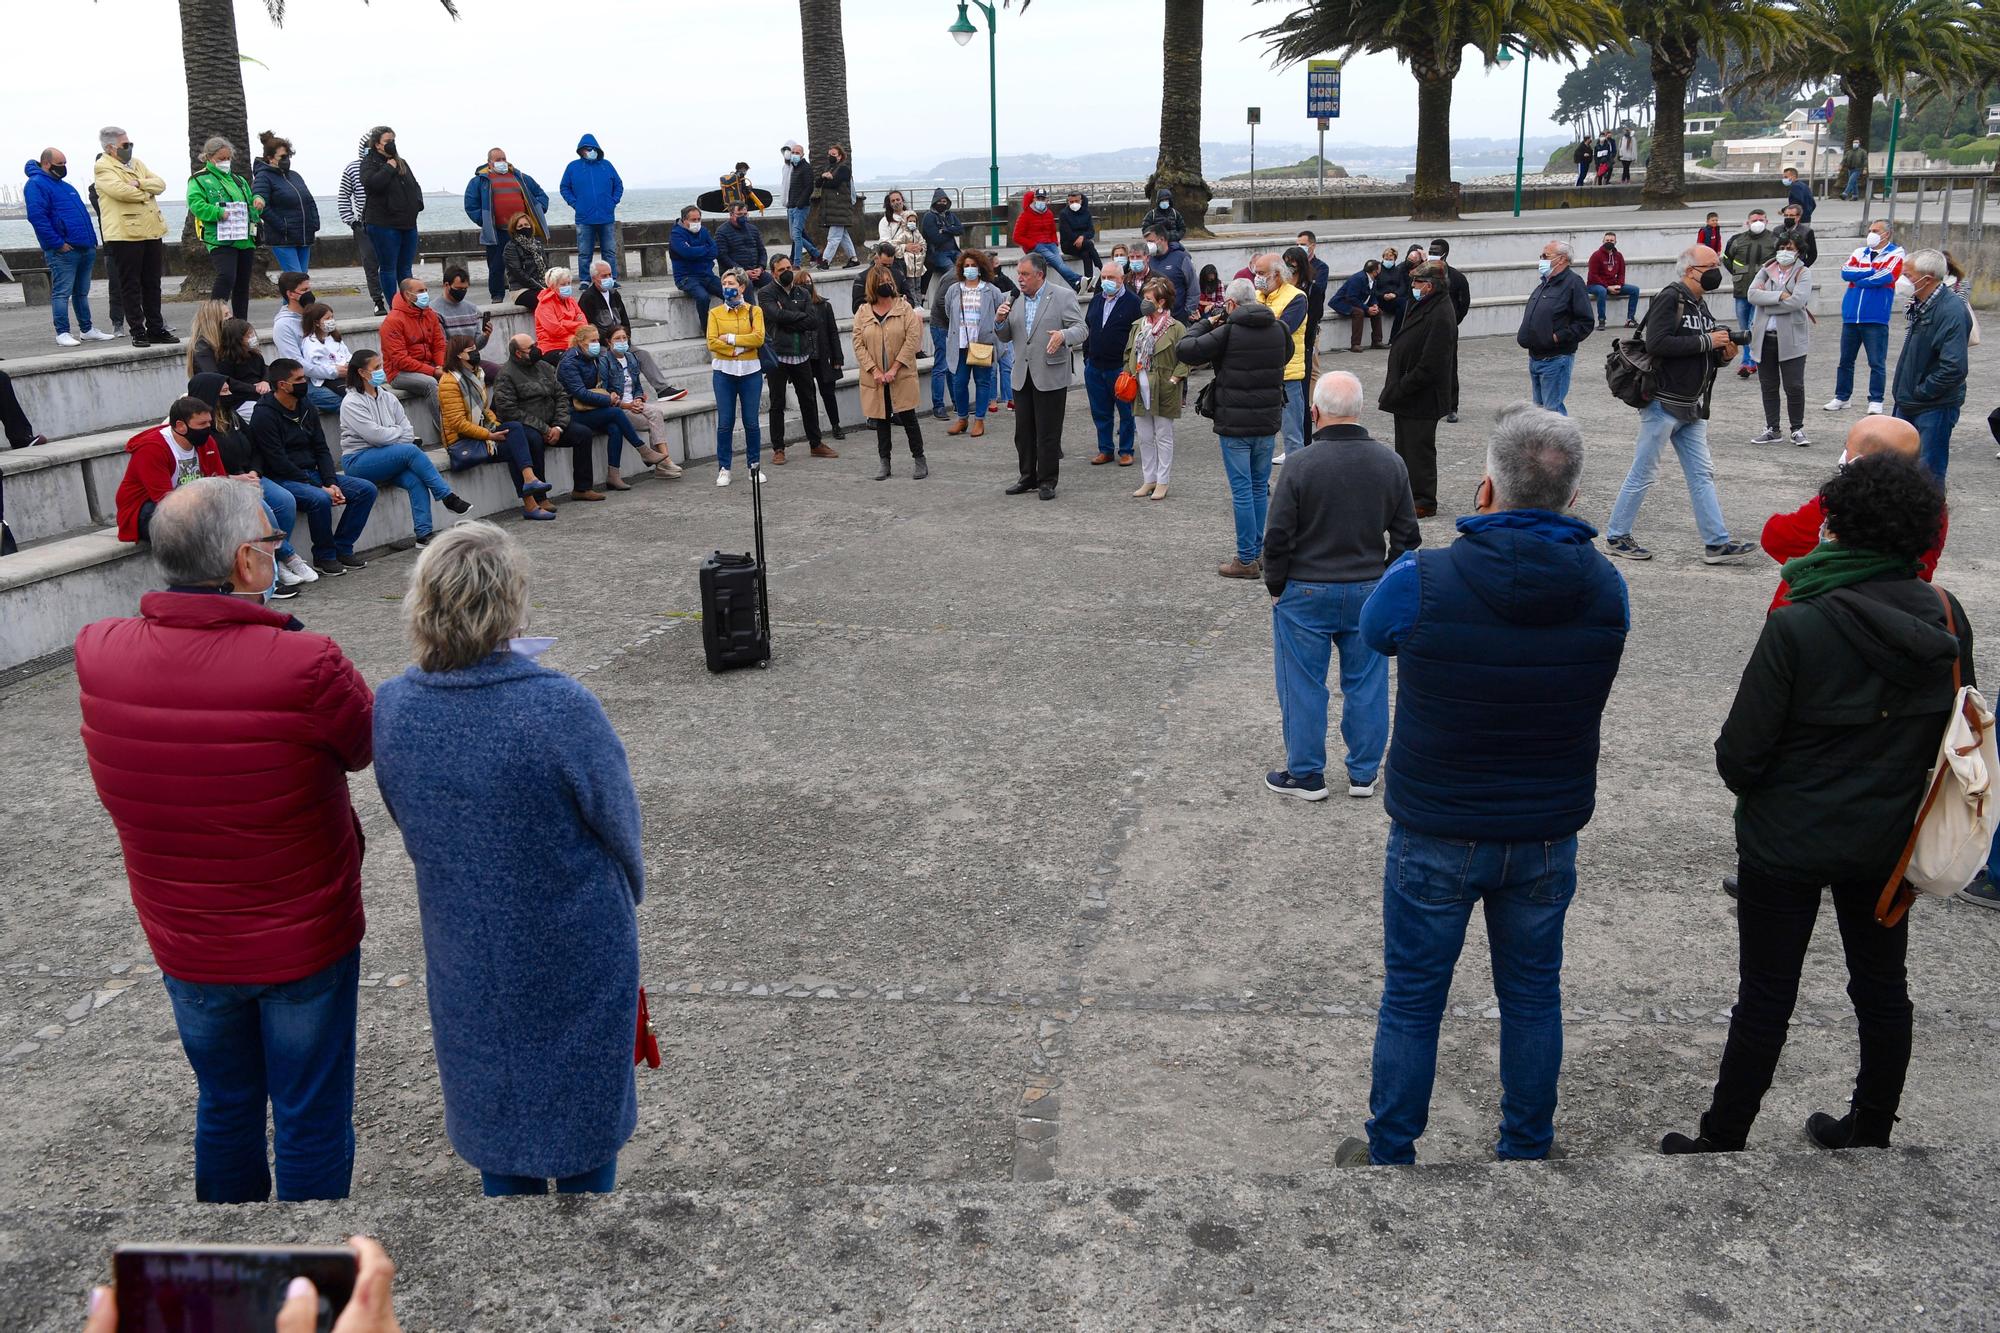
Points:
[(1322, 89)]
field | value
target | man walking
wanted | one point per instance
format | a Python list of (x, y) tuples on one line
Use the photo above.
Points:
[(1800, 193), (494, 197), (1108, 320), (128, 202), (1508, 641), (1870, 273), (220, 734), (1606, 275), (799, 185), (593, 189), (1748, 250), (1930, 370), (1854, 161), (1341, 513), (69, 244), (1249, 349), (1557, 319), (1687, 346), (1043, 323)]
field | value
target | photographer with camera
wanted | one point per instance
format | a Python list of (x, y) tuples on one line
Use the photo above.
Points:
[(1687, 346)]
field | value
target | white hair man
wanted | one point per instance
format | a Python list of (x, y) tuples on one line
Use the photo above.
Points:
[(1341, 514), (1507, 643), (1930, 370), (1871, 274), (1557, 319)]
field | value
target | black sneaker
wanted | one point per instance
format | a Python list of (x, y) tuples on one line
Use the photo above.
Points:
[(284, 592), (1728, 553), (1731, 887), (456, 503), (162, 338), (1312, 788), (673, 393), (1626, 549), (353, 562), (1680, 1145), (331, 568), (141, 340)]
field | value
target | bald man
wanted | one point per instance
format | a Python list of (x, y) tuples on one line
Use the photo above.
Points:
[(1788, 536)]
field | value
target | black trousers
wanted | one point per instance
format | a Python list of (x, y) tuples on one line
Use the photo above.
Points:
[(1774, 924), (576, 438), (366, 249), (19, 429), (907, 419), (1417, 446), (1086, 253), (233, 267), (826, 376), (1791, 374), (107, 261), (799, 376), (1038, 423), (135, 277)]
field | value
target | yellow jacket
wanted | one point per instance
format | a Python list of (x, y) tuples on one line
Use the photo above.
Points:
[(1278, 298), (457, 422), (127, 200), (746, 321)]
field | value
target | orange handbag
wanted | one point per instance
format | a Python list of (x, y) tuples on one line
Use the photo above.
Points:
[(1126, 387)]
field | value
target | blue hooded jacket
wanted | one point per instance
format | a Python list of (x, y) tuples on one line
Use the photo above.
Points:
[(479, 202), (1508, 640), (592, 188), (693, 253), (57, 211)]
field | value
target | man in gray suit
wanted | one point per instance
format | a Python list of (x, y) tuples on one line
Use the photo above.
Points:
[(1043, 323)]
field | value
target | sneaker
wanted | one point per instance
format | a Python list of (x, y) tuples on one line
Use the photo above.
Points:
[(96, 336), (1728, 553), (1980, 892), (456, 503), (1799, 438), (352, 561), (1874, 409), (940, 414), (331, 568), (301, 571), (287, 576), (1352, 1152), (163, 338), (1836, 404), (1360, 791), (1600, 326), (1745, 371), (673, 393), (1766, 436), (1626, 548), (757, 475), (1277, 459), (68, 340), (1311, 788), (722, 476), (284, 592)]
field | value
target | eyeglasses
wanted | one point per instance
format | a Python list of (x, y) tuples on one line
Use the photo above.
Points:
[(273, 540)]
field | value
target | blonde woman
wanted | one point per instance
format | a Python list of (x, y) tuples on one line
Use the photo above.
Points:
[(558, 315), (735, 335), (531, 940), (1150, 357)]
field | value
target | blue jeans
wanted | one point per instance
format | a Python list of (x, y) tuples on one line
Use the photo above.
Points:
[(1874, 339), (837, 240), (1295, 414), (705, 289), (1097, 382), (1852, 190), (1690, 441), (734, 394), (1308, 622), (1598, 291), (293, 258), (1053, 253), (284, 512), (291, 1044), (1247, 459), (1934, 428), (1003, 374), (796, 217), (1548, 380), (940, 371), (395, 256), (980, 379), (615, 426), (324, 398), (1429, 886), (403, 465), (594, 239), (496, 271), (329, 541), (69, 283), (1746, 314), (601, 1181)]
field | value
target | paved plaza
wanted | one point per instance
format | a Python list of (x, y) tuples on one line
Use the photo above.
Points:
[(997, 992)]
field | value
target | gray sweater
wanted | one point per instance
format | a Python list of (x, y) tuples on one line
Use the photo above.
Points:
[(1341, 512)]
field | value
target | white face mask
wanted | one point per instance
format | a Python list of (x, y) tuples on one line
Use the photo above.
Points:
[(501, 166), (1757, 227), (1874, 240), (1787, 257), (1076, 208)]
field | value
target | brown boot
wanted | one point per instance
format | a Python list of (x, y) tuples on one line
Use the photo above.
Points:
[(978, 425), (1100, 460), (777, 458), (956, 428), (824, 451), (1236, 569)]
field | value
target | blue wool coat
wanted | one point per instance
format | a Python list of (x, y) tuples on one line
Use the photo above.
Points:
[(517, 808)]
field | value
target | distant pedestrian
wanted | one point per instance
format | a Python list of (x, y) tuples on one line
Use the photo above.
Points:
[(1341, 514), (1930, 368), (219, 199), (1710, 234), (495, 197), (1557, 320), (1605, 152), (287, 213), (1583, 155), (1854, 162), (1800, 193), (128, 195), (1871, 274), (531, 943), (592, 187), (1417, 384), (1628, 153), (395, 197), (1606, 277), (1249, 349)]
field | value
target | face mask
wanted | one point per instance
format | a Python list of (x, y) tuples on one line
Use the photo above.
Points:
[(1711, 279), (1542, 266), (785, 279), (1757, 228), (789, 159), (197, 436), (502, 167), (940, 205), (272, 586), (1874, 240), (1117, 262), (329, 330), (220, 164), (305, 298), (592, 349), (566, 291), (523, 234), (1166, 202), (1041, 207), (1149, 308), (1611, 245), (284, 161), (731, 297), (378, 377), (1155, 248), (1108, 286), (422, 300), (523, 358), (590, 154), (125, 153), (1076, 208), (389, 149), (970, 274), (456, 293), (60, 170), (1260, 282), (1787, 257), (605, 284), (621, 347), (1417, 294)]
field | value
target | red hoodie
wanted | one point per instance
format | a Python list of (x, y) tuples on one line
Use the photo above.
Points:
[(1031, 228), (1789, 536), (149, 474)]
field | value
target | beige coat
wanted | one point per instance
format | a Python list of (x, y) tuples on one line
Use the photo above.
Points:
[(891, 340), (127, 200)]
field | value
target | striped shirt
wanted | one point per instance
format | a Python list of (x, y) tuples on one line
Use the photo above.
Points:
[(351, 198)]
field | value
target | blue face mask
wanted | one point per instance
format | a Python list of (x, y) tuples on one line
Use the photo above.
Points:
[(731, 297), (378, 377), (566, 291), (971, 275), (621, 347), (1109, 287), (606, 284), (592, 349), (590, 154), (271, 588), (421, 300), (1542, 266)]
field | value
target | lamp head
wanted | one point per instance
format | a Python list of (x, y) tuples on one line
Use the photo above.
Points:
[(962, 31)]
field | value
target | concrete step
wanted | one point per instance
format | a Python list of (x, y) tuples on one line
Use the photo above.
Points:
[(1606, 1243)]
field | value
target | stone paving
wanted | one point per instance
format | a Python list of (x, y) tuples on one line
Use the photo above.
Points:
[(972, 914)]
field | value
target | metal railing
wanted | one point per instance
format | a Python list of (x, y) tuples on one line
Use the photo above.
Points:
[(1962, 192)]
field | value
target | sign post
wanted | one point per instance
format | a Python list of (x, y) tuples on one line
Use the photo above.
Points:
[(1322, 103), (1819, 115), (1256, 114)]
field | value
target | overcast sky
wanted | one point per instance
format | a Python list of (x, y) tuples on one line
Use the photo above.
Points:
[(677, 89)]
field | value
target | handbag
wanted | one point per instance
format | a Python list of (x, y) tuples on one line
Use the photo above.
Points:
[(1204, 401), (646, 1045), (466, 452), (1126, 387), (979, 354)]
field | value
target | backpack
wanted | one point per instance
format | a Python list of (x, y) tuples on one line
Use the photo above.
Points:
[(1628, 371), (1954, 830)]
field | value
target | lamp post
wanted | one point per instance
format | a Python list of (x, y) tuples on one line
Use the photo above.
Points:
[(1520, 144), (962, 32)]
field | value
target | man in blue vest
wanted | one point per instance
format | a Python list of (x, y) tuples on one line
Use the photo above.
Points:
[(1509, 639)]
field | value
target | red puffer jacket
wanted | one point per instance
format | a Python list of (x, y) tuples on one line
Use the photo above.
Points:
[(220, 737), (1031, 228), (411, 339)]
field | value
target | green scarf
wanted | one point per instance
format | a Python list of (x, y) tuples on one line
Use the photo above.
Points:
[(1830, 565)]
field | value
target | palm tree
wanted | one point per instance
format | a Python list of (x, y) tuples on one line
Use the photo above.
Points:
[(1430, 36), (1875, 46), (1179, 166), (824, 45)]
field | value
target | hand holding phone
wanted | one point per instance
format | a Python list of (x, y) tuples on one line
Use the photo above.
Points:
[(334, 1289)]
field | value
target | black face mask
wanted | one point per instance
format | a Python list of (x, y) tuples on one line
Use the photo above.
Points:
[(197, 436), (456, 293), (304, 297), (940, 205), (59, 170), (785, 278), (1711, 279), (389, 148), (284, 161)]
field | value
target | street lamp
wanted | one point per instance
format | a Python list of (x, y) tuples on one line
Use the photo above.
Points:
[(963, 32), (1521, 144)]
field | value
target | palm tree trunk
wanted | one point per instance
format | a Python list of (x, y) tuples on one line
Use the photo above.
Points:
[(825, 50), (1666, 176), (1434, 199), (1178, 167), (1861, 91)]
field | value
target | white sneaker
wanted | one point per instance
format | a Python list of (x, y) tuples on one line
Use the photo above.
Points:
[(757, 475), (1277, 459), (301, 572), (96, 336), (68, 340), (1358, 791), (722, 476), (1836, 404), (1874, 409)]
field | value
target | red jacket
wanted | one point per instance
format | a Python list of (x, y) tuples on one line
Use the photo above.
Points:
[(1031, 228), (1789, 536), (412, 339), (149, 475), (1607, 268), (220, 736)]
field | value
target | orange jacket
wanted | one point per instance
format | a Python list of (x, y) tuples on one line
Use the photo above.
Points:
[(557, 318), (412, 339)]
